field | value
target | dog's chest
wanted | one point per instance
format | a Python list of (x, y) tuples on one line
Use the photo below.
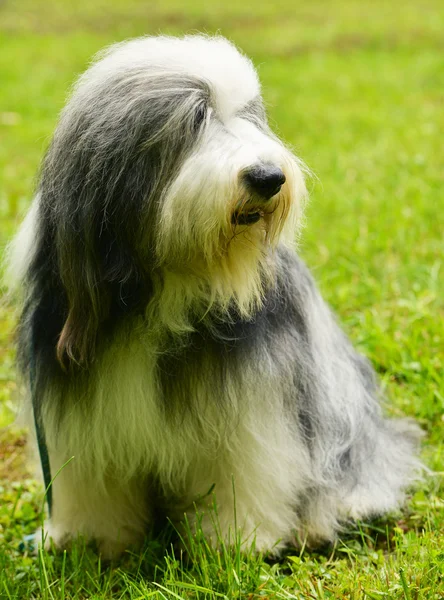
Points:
[(163, 412)]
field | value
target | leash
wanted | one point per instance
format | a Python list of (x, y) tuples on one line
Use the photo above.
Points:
[(40, 433), (28, 544)]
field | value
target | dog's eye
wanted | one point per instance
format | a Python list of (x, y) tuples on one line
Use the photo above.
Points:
[(199, 117)]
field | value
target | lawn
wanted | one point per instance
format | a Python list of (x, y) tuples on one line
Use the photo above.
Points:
[(357, 88)]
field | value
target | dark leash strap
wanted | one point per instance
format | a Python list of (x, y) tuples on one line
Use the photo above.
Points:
[(29, 544), (40, 432)]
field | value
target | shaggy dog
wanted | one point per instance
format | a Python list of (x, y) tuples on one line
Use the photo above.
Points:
[(174, 341)]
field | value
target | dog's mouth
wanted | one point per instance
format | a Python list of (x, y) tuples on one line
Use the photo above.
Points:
[(252, 211), (243, 217)]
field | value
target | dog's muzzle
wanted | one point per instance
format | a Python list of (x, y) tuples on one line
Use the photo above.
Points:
[(263, 181)]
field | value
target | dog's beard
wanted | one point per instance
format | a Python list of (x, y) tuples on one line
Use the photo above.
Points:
[(226, 268)]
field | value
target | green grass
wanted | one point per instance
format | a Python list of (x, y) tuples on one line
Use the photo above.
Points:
[(357, 89)]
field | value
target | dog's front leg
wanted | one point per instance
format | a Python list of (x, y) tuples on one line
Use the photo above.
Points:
[(245, 498), (111, 512)]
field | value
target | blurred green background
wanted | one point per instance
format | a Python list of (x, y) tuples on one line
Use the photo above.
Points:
[(357, 89)]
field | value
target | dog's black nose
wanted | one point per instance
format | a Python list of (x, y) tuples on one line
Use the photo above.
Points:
[(264, 180)]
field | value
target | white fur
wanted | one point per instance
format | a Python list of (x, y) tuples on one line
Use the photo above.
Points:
[(232, 76), (19, 252)]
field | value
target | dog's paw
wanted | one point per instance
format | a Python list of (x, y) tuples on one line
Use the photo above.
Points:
[(47, 537), (110, 549)]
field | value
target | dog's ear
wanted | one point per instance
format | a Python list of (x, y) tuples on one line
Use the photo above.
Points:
[(97, 204), (102, 281), (88, 305), (78, 283)]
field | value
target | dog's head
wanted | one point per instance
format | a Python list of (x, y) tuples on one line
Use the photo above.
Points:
[(164, 177)]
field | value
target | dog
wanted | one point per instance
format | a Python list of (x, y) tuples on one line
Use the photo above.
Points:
[(176, 350)]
